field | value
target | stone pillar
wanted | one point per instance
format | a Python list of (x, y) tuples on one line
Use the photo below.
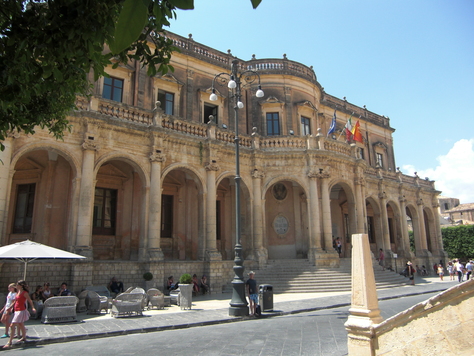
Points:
[(384, 216), (326, 208), (260, 253), (360, 203), (5, 185), (364, 311), (212, 254), (153, 246), (404, 227), (421, 223), (314, 219), (86, 200)]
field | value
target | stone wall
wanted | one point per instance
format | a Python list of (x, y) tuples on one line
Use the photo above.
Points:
[(442, 325), (80, 274)]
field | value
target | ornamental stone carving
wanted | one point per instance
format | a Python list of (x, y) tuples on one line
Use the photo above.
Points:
[(211, 166), (257, 174), (89, 145), (382, 195), (157, 157)]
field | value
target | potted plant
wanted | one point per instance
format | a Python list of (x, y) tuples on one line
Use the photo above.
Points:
[(148, 277), (185, 291)]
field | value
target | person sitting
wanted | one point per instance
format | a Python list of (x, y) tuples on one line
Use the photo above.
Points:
[(115, 286), (37, 295), (204, 285), (195, 284), (170, 284), (47, 292), (63, 291)]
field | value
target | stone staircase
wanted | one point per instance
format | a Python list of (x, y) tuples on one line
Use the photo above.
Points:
[(299, 276)]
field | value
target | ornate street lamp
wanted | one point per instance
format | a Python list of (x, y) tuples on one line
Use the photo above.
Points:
[(238, 304)]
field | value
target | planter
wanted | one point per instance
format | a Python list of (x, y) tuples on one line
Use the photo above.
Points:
[(185, 295)]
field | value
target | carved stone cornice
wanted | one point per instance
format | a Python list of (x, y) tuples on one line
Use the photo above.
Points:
[(157, 157), (211, 166), (89, 145), (257, 174)]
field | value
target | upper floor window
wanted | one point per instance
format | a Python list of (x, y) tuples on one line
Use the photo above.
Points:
[(361, 152), (113, 89), (305, 126), (379, 159), (167, 101), (273, 124), (105, 211), (209, 110), (25, 200)]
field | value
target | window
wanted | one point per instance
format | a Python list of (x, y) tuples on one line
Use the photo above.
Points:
[(105, 211), (305, 126), (446, 206), (361, 153), (273, 124), (25, 200), (113, 88), (167, 102), (167, 215), (379, 160), (209, 110)]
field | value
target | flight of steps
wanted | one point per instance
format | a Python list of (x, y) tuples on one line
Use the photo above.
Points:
[(299, 276)]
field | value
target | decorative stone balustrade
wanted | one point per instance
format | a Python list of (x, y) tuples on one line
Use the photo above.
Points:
[(125, 112), (336, 146), (283, 142)]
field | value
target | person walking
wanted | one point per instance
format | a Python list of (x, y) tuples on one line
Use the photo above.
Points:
[(382, 259), (339, 246), (469, 267), (451, 271), (7, 316), (459, 267), (21, 313), (251, 285), (411, 272), (440, 271)]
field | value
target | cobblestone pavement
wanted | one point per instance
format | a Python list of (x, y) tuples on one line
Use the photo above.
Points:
[(206, 310)]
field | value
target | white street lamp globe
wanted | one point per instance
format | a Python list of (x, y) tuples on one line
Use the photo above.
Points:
[(213, 97), (240, 105), (232, 84), (259, 93)]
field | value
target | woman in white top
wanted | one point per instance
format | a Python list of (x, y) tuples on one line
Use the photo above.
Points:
[(7, 315)]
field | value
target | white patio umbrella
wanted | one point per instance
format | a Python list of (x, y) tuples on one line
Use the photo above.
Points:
[(27, 251)]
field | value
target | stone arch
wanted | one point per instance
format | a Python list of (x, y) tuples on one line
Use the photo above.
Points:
[(343, 213), (412, 213), (182, 213), (374, 223), (225, 209), (46, 174), (431, 231), (394, 226), (129, 159), (286, 226)]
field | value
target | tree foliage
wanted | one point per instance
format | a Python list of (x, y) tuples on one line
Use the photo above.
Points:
[(47, 48), (458, 241)]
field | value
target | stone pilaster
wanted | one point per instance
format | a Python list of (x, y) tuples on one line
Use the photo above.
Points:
[(314, 218), (384, 217), (5, 179)]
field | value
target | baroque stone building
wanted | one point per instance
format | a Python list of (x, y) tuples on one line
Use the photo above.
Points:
[(152, 188)]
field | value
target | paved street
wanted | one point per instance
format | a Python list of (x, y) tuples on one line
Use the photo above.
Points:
[(309, 333)]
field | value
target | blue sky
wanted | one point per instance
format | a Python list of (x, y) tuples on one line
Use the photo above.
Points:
[(410, 60)]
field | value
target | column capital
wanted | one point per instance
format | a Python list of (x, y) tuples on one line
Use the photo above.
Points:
[(419, 202), (211, 166), (320, 174), (257, 174), (382, 195), (157, 157), (360, 181), (402, 199), (89, 145)]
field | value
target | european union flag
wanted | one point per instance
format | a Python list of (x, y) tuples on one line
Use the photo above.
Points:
[(332, 128)]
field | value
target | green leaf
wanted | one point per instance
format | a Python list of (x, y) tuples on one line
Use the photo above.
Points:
[(183, 4), (255, 3), (130, 24)]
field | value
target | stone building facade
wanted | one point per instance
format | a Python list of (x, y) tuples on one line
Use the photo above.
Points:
[(153, 188)]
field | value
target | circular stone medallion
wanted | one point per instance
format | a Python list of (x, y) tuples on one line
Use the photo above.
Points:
[(280, 225)]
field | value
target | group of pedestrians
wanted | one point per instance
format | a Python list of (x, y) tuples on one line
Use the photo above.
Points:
[(456, 267)]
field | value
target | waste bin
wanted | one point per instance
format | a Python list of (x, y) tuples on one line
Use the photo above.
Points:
[(265, 297)]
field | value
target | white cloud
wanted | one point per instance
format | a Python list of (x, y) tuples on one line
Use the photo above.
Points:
[(454, 175)]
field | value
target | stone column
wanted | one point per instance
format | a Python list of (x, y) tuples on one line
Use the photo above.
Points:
[(421, 223), (360, 203), (153, 245), (5, 185), (384, 216), (86, 200), (326, 209), (404, 227), (212, 254), (260, 253), (314, 219), (364, 311)]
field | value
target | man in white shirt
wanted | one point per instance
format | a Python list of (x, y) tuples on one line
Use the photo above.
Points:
[(469, 267)]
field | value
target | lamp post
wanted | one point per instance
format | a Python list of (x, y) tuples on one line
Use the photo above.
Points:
[(238, 304)]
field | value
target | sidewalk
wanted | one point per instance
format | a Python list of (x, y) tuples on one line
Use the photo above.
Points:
[(206, 310)]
